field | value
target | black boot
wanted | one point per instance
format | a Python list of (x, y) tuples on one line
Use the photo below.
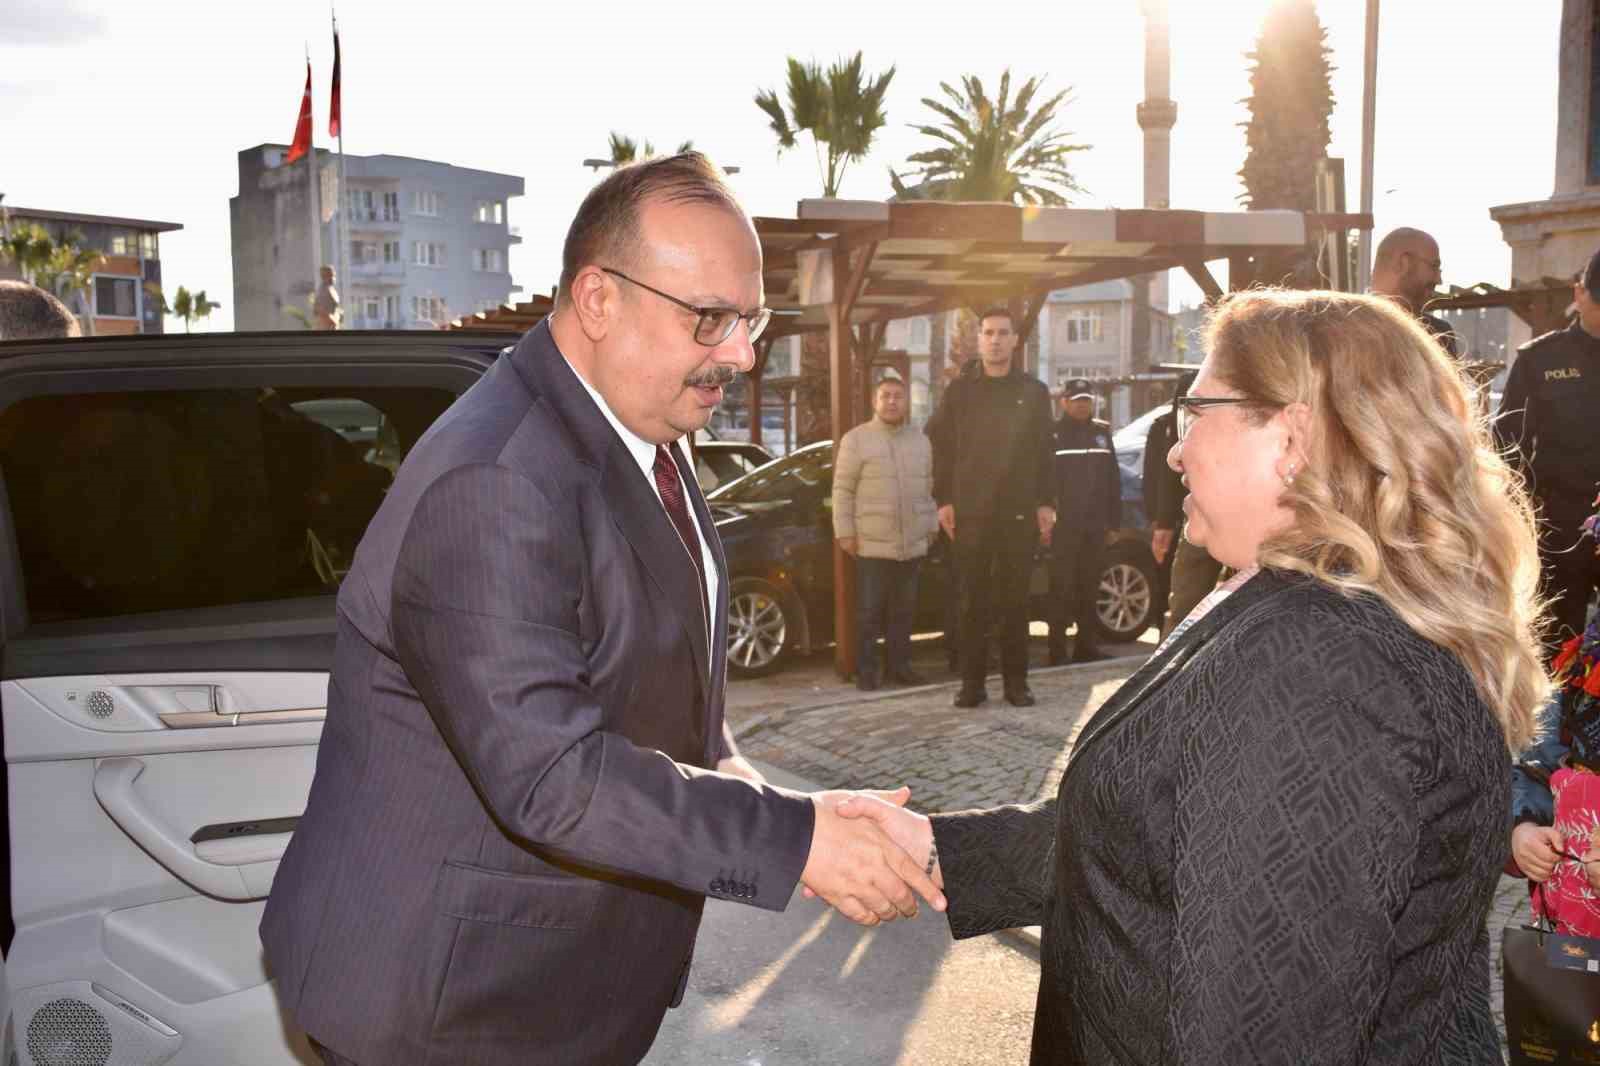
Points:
[(1018, 694), (971, 695)]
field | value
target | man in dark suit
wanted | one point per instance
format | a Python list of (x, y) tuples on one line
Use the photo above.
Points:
[(518, 809)]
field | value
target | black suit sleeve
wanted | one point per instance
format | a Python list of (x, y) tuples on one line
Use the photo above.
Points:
[(941, 435), (997, 866), (485, 625), (1044, 448)]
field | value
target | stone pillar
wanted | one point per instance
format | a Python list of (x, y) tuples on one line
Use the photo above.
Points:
[(1156, 115), (1554, 238)]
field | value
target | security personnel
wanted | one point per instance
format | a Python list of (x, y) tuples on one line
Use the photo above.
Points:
[(993, 484), (1089, 495), (1547, 415)]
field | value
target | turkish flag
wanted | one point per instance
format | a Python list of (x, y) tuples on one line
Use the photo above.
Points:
[(302, 126), (333, 109)]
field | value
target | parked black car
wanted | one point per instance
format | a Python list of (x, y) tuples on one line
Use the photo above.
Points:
[(777, 529)]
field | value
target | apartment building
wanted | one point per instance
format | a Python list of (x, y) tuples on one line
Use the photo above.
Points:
[(427, 241), (121, 299)]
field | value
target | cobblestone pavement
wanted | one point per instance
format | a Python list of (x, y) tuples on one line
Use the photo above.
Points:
[(954, 759)]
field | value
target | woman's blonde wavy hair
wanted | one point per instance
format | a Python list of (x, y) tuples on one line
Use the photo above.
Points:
[(1404, 494)]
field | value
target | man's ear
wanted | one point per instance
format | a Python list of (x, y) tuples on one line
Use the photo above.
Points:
[(594, 302)]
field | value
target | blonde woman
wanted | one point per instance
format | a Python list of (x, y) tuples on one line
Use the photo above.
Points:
[(1278, 842)]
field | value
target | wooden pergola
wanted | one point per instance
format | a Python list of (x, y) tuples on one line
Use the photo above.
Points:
[(506, 318), (851, 266), (1542, 304)]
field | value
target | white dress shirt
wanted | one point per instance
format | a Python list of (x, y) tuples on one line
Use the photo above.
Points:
[(644, 453)]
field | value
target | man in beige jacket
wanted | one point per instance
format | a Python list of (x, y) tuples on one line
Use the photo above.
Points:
[(883, 516)]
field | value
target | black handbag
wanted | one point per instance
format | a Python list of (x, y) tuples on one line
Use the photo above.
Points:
[(1552, 996)]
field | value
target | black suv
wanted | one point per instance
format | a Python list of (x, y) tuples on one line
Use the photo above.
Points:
[(777, 529)]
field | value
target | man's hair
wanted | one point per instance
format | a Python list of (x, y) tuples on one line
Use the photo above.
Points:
[(998, 312), (28, 313), (606, 227), (1397, 242), (889, 379)]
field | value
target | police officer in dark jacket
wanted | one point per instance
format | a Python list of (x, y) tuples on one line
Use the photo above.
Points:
[(995, 488), (1088, 506), (1548, 416)]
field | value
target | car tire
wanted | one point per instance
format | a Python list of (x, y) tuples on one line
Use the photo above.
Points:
[(761, 628), (1125, 600)]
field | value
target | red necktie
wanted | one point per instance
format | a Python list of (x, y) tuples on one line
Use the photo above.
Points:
[(671, 488)]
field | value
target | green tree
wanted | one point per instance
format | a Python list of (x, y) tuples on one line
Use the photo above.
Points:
[(1004, 149), (627, 150), (62, 267), (840, 108), (192, 307), (29, 249), (1290, 101)]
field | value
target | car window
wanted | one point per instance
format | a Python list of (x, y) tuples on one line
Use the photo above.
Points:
[(808, 471), (148, 501)]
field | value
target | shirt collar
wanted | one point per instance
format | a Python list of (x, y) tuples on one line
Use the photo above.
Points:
[(643, 452)]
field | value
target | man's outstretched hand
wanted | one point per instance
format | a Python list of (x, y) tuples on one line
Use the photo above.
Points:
[(857, 867)]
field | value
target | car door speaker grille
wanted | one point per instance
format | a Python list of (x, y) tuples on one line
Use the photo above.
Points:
[(77, 1023), (69, 1032)]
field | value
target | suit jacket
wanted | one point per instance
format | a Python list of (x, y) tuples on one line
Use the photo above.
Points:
[(1276, 844), (512, 827)]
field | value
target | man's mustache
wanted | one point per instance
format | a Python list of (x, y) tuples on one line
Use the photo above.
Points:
[(714, 377)]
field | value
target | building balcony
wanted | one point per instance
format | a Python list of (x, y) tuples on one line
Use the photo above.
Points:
[(383, 274), (374, 222)]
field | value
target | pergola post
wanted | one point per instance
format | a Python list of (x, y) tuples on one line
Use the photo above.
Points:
[(757, 370), (850, 273)]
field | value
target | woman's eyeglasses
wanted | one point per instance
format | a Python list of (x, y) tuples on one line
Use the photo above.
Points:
[(715, 324), (1190, 407)]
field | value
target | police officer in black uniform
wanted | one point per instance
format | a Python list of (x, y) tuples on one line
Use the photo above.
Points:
[(1089, 505), (1549, 416)]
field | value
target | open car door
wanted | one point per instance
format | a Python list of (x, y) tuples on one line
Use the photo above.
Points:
[(176, 518)]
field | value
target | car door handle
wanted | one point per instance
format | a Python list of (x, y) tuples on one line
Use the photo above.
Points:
[(114, 788)]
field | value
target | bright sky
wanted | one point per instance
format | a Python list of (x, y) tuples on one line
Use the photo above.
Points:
[(122, 108)]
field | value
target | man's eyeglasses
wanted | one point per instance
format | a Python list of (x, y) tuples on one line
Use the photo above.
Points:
[(1191, 407), (714, 324)]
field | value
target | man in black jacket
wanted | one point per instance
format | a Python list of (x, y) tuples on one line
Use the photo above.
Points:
[(995, 488), (1547, 418), (1089, 494)]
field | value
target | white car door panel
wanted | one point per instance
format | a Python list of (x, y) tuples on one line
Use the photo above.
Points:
[(143, 849), (176, 515)]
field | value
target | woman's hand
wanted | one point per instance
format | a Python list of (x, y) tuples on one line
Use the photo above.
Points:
[(1536, 849)]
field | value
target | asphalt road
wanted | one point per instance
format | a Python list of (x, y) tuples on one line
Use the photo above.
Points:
[(809, 987)]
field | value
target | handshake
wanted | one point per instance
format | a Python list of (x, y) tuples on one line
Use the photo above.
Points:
[(870, 857)]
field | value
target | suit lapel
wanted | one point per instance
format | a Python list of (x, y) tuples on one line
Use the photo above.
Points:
[(1156, 672), (632, 501), (719, 609)]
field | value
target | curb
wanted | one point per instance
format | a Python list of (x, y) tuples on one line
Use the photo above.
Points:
[(760, 721)]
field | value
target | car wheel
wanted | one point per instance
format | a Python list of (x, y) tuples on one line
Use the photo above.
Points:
[(1127, 594), (760, 633)]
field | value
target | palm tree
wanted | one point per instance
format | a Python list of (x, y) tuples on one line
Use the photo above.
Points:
[(29, 249), (189, 306), (62, 268), (627, 150), (996, 150), (841, 110)]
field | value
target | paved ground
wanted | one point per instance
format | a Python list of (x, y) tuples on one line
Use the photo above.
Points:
[(807, 722)]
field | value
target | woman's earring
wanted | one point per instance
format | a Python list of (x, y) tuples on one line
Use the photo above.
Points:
[(1288, 478)]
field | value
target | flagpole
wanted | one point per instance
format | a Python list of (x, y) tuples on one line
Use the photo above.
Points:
[(345, 279), (312, 202)]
